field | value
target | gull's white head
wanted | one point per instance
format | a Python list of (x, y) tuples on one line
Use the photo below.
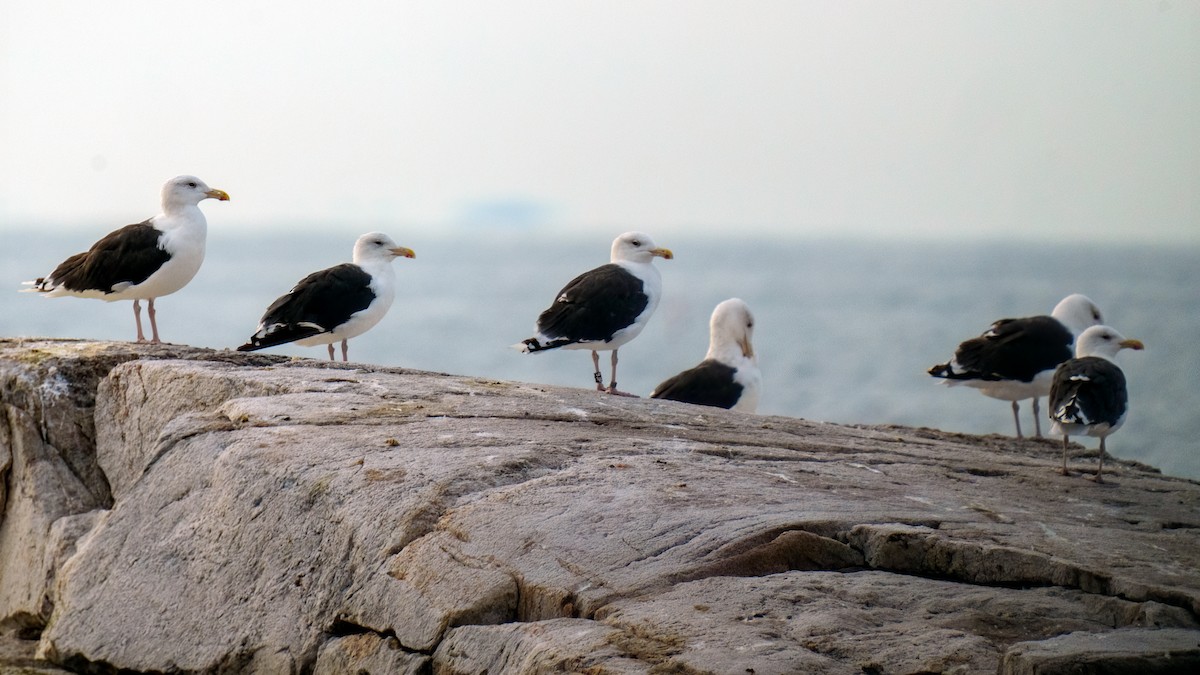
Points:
[(730, 330), (378, 247), (637, 247), (188, 191), (1104, 342), (1077, 312)]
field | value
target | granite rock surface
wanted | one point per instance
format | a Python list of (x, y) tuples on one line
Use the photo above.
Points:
[(170, 509)]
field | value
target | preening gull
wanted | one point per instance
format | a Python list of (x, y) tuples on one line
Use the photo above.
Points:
[(1088, 395), (337, 303), (604, 308), (1015, 358), (728, 377), (144, 261)]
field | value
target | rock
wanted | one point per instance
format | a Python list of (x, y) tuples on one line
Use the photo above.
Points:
[(47, 467), (127, 445), (293, 516), (542, 647), (1118, 652), (367, 653), (866, 621), (48, 460)]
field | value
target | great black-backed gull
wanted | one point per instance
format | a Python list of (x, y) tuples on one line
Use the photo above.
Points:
[(1088, 395), (1015, 358), (143, 261), (337, 303), (728, 377), (604, 308)]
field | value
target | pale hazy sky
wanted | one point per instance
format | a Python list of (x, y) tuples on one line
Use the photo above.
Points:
[(951, 119)]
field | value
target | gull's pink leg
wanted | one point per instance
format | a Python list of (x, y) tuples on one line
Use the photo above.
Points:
[(612, 385), (598, 376), (137, 316), (1064, 466), (1099, 477), (153, 324), (1037, 417)]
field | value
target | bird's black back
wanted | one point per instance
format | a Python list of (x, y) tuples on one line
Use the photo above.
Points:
[(710, 383), (128, 255), (594, 306), (1088, 390), (319, 303), (1012, 349)]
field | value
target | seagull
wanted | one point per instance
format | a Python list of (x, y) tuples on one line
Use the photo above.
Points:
[(148, 260), (728, 377), (1015, 358), (604, 308), (337, 303), (1088, 395)]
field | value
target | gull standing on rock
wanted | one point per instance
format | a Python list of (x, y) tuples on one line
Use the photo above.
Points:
[(337, 303), (1015, 358), (1088, 395), (604, 308), (144, 261), (728, 377)]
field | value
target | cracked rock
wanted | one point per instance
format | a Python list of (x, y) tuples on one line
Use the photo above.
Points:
[(212, 512)]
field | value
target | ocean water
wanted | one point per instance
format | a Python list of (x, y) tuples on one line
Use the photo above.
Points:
[(844, 329)]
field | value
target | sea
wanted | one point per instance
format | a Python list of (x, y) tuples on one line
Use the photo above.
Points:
[(845, 329)]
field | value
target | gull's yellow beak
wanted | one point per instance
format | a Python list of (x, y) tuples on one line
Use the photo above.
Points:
[(1131, 344), (218, 195), (664, 253), (401, 252), (747, 350)]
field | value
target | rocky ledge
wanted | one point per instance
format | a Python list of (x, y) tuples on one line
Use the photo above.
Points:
[(178, 510)]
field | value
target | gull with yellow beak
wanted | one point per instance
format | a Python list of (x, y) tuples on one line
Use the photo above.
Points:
[(604, 308), (337, 303), (728, 377), (144, 261), (1088, 395)]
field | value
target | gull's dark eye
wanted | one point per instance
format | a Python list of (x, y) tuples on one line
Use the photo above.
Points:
[(192, 184), (635, 242)]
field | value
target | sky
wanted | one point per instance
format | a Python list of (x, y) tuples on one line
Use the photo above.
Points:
[(942, 120)]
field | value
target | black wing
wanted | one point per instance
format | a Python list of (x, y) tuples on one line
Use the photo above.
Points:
[(321, 302), (594, 306), (710, 383), (1012, 349), (1089, 390), (128, 255)]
